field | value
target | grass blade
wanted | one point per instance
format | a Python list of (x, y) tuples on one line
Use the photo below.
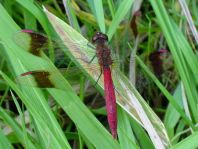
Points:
[(122, 10), (97, 8)]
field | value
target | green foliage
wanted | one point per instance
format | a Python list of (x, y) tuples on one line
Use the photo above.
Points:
[(57, 117)]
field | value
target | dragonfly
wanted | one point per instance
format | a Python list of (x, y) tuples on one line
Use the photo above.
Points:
[(39, 41)]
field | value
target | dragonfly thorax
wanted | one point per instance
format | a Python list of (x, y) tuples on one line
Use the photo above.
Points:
[(103, 54)]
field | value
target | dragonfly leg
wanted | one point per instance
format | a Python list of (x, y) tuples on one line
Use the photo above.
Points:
[(92, 59), (98, 77), (90, 45)]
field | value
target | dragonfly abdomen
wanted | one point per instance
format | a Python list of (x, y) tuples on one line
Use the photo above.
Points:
[(110, 101)]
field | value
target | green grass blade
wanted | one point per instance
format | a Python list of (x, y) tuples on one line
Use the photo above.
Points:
[(190, 142), (38, 14), (29, 19), (172, 116), (71, 15), (111, 7), (4, 142), (120, 13), (17, 130), (99, 14), (142, 137), (126, 138), (22, 120)]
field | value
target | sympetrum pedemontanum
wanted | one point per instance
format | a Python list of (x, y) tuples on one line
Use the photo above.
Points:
[(38, 42)]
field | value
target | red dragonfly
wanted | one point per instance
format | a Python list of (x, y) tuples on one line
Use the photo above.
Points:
[(103, 55)]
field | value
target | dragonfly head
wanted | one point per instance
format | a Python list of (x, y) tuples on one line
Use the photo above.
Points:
[(99, 37)]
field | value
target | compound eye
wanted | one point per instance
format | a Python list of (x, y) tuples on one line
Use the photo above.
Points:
[(94, 38), (100, 37)]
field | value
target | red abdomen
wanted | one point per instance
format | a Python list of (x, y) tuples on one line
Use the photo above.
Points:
[(110, 101)]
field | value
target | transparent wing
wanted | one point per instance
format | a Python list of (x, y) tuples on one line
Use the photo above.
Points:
[(35, 43), (44, 78)]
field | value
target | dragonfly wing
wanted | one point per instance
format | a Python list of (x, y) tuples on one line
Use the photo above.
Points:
[(35, 42), (41, 79), (31, 41)]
